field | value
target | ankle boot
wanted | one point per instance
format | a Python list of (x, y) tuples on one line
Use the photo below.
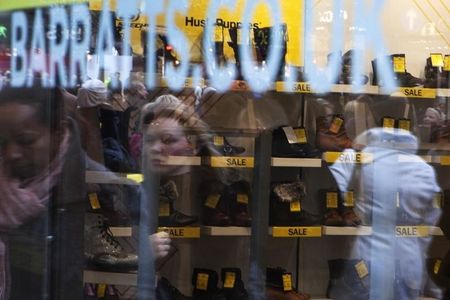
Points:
[(169, 217), (222, 147), (346, 282), (282, 146), (233, 286), (347, 65), (331, 135), (166, 291), (349, 217), (435, 77), (331, 203), (102, 249), (285, 206), (239, 197), (205, 285), (279, 286), (213, 197)]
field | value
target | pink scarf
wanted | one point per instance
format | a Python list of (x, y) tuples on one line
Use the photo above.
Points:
[(18, 204)]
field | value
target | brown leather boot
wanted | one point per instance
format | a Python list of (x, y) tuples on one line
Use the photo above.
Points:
[(333, 218), (350, 218), (331, 135)]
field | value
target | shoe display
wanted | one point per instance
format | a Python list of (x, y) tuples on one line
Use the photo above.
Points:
[(222, 147), (205, 285), (285, 206), (102, 250), (292, 142), (435, 76), (349, 279), (232, 284), (166, 291), (168, 216), (333, 218), (262, 37), (239, 197), (346, 76), (214, 200), (279, 286), (331, 135), (401, 76), (349, 217)]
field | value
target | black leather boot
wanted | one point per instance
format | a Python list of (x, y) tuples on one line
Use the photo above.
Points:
[(238, 198), (346, 283), (205, 285), (166, 291), (233, 286), (214, 203), (169, 217), (284, 147)]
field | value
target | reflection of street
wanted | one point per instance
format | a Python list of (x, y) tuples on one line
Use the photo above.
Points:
[(3, 31)]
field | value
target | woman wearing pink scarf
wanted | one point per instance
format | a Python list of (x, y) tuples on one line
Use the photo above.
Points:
[(41, 197)]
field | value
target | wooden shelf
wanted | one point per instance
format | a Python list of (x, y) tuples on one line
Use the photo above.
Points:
[(225, 231), (129, 279), (296, 162)]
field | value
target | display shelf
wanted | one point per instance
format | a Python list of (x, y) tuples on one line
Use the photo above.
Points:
[(348, 89), (120, 231), (334, 230), (443, 92), (436, 231), (225, 231), (296, 162), (90, 276), (107, 177)]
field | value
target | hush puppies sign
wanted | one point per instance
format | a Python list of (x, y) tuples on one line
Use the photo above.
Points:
[(59, 60)]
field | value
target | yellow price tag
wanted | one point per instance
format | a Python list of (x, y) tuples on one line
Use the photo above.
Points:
[(93, 199), (336, 124), (300, 133), (101, 290), (287, 282), (388, 123), (437, 200), (212, 200), (349, 200), (230, 279), (437, 266), (164, 209), (202, 281), (404, 124), (399, 64), (362, 269), (295, 206), (332, 200), (437, 60), (242, 198), (218, 140), (447, 63)]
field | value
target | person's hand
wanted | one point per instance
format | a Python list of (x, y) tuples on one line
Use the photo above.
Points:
[(160, 243)]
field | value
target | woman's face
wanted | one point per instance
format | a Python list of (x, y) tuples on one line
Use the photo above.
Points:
[(25, 142), (430, 118), (165, 137)]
